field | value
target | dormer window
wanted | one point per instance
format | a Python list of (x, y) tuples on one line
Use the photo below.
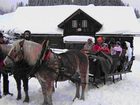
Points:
[(84, 23), (74, 24)]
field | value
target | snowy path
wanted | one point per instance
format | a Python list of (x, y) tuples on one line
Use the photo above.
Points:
[(125, 92)]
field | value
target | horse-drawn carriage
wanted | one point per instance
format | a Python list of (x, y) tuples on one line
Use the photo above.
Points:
[(73, 65), (108, 66)]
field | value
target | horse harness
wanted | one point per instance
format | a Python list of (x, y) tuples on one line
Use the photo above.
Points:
[(20, 65), (60, 71), (58, 68)]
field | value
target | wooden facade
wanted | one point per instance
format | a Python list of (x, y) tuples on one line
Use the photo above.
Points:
[(80, 23), (55, 41)]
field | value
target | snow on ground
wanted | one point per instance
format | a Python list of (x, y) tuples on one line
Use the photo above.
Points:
[(124, 92)]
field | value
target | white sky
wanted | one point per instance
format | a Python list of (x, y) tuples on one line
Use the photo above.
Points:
[(133, 3), (8, 4)]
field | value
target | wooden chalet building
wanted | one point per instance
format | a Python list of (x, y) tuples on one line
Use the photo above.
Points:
[(57, 22), (80, 23)]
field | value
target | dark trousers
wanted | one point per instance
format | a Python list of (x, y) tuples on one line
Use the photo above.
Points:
[(5, 83)]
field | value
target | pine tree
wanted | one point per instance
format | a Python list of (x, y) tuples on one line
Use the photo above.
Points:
[(78, 2)]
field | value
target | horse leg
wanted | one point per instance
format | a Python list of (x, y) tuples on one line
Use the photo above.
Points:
[(83, 91), (77, 95), (47, 90), (84, 80), (18, 82), (25, 85)]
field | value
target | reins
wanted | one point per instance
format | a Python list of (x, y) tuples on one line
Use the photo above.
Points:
[(11, 59), (62, 74), (39, 61)]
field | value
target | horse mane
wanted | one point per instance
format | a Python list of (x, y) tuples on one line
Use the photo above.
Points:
[(31, 50)]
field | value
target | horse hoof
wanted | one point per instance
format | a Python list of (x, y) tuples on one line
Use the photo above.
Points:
[(82, 98), (19, 98), (11, 94), (26, 100), (75, 98)]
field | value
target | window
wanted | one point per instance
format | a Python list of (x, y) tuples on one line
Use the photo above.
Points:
[(84, 23), (74, 24)]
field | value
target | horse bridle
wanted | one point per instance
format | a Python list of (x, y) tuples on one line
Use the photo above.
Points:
[(21, 50)]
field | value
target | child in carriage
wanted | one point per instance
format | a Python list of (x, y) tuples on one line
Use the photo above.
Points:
[(116, 49)]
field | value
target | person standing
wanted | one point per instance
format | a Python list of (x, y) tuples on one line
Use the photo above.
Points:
[(5, 75), (26, 35)]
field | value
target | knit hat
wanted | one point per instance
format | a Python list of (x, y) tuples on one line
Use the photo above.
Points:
[(100, 39), (89, 39)]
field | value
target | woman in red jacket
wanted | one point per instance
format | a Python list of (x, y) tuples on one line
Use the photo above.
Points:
[(98, 46)]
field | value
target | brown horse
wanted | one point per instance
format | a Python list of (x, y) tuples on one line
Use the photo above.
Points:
[(5, 48), (71, 65)]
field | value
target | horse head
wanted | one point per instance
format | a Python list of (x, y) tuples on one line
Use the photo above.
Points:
[(15, 54)]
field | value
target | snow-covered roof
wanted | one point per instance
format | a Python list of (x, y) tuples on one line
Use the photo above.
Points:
[(139, 20), (45, 19)]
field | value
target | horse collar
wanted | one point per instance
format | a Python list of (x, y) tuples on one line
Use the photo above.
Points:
[(47, 55)]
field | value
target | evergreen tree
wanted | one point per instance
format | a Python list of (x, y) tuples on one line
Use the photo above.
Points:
[(78, 2), (137, 13), (20, 4)]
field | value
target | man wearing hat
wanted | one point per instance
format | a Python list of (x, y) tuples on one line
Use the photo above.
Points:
[(5, 76)]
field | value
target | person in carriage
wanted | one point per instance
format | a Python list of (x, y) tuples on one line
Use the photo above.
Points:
[(100, 46), (116, 49), (100, 59), (88, 46), (127, 57)]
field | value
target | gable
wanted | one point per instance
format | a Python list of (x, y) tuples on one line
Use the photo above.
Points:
[(80, 23), (79, 13)]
